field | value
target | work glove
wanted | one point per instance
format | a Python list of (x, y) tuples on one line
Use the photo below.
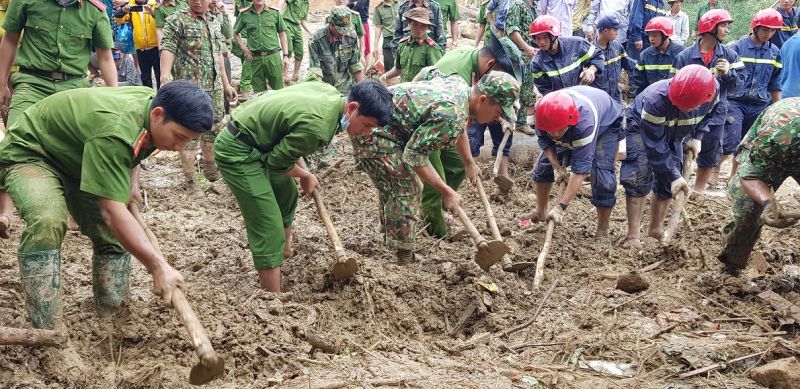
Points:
[(723, 66), (692, 147), (679, 185), (773, 218), (561, 174), (587, 77), (556, 214)]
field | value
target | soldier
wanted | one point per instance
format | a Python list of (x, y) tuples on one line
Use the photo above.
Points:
[(581, 124), (417, 50), (769, 154), (78, 150), (428, 116), (616, 60), (266, 38), (435, 30), (193, 38), (163, 10), (666, 120), (518, 19), (294, 16), (266, 136), (655, 62), (333, 52), (217, 7), (450, 13), (383, 21), (358, 27)]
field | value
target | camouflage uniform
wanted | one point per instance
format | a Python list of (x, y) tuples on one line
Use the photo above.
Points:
[(428, 116), (196, 42), (336, 60), (519, 18), (770, 152)]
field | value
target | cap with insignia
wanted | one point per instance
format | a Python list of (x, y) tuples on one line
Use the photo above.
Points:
[(503, 89), (340, 17), (419, 14)]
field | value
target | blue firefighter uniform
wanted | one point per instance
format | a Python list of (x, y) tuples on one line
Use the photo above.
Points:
[(641, 13), (763, 75), (615, 61), (563, 70), (653, 65), (591, 145), (711, 149), (789, 29), (654, 140)]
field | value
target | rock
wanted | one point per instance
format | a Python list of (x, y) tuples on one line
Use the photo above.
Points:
[(780, 374), (632, 283), (275, 307)]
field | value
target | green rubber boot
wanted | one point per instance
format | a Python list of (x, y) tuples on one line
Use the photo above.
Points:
[(111, 275), (40, 273)]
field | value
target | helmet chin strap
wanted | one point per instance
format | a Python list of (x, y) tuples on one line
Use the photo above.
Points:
[(552, 39), (664, 38)]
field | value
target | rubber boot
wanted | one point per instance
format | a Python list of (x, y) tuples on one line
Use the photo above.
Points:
[(111, 274), (40, 273), (209, 169)]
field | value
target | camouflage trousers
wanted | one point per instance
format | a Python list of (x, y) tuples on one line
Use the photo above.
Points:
[(218, 101), (398, 194), (741, 233)]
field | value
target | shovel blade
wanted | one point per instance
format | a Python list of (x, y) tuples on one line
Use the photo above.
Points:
[(345, 267), (504, 183), (518, 266), (208, 369), (490, 253)]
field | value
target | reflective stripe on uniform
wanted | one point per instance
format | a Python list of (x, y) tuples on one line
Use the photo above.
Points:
[(737, 65), (654, 9), (669, 123), (653, 118), (654, 67), (568, 68), (788, 28), (615, 59), (765, 61), (589, 138)]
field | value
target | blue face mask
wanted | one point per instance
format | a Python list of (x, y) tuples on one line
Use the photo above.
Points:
[(344, 123)]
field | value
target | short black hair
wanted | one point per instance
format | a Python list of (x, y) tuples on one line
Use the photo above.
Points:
[(186, 104), (485, 51), (374, 100)]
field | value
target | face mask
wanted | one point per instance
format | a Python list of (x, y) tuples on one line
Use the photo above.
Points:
[(344, 122)]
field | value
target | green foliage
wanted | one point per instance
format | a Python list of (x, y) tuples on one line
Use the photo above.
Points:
[(741, 11)]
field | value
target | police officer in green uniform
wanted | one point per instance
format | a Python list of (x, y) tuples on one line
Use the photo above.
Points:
[(163, 10), (266, 41), (417, 50), (193, 41), (266, 136), (383, 19), (333, 51), (295, 14), (78, 150)]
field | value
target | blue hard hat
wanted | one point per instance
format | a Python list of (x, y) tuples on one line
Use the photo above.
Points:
[(607, 22)]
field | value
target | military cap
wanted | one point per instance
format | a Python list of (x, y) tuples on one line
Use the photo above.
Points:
[(503, 89)]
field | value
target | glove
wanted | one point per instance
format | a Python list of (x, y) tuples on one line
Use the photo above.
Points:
[(561, 175), (692, 147), (723, 66), (773, 218), (556, 214), (679, 185), (587, 77)]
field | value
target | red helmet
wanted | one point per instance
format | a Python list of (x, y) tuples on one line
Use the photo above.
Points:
[(546, 23), (660, 24), (691, 87), (555, 111), (709, 21), (769, 18)]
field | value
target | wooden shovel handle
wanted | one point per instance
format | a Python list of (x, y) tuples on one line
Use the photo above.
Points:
[(679, 204), (488, 208), (548, 238), (326, 217), (496, 168), (31, 337), (473, 232)]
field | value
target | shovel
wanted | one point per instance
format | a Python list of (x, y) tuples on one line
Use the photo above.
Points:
[(489, 252), (211, 365), (345, 266), (504, 183), (679, 204), (489, 215)]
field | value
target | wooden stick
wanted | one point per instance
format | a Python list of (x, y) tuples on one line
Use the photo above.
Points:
[(535, 314), (473, 232), (718, 365), (548, 237), (338, 248), (496, 168), (31, 337), (488, 208), (679, 203)]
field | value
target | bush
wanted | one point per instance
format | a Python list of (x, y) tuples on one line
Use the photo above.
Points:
[(741, 11)]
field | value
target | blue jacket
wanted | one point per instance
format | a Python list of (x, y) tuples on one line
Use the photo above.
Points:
[(790, 77), (790, 21), (653, 66), (500, 10), (763, 71), (735, 77), (597, 112), (664, 127), (641, 13), (564, 69), (615, 61)]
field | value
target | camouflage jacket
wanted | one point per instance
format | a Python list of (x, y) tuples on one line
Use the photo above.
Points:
[(334, 60), (519, 18), (774, 142), (195, 42)]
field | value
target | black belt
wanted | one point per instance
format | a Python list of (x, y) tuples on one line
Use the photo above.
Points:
[(51, 75), (264, 53), (244, 138)]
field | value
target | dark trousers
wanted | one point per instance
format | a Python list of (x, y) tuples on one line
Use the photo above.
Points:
[(149, 59)]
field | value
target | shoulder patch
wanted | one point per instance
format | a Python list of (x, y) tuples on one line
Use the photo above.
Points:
[(430, 41), (98, 4)]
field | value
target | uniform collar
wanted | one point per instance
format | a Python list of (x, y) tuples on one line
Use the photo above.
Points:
[(147, 110), (753, 45), (696, 50), (476, 69)]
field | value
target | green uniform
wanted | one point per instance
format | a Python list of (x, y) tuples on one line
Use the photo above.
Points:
[(166, 8), (261, 31), (284, 125), (238, 5), (403, 28), (64, 153), (449, 10), (412, 56), (481, 19), (335, 60), (55, 53), (196, 42), (770, 152), (296, 11), (519, 18), (383, 18), (428, 117)]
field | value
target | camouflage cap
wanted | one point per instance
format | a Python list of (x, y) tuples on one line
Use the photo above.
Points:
[(503, 89), (419, 14), (507, 55), (340, 17)]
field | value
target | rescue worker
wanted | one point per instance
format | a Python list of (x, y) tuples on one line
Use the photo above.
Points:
[(428, 116), (666, 120), (641, 13), (415, 51), (762, 85), (518, 18), (333, 52), (616, 60), (139, 13), (266, 136), (769, 155), (163, 10), (435, 30), (790, 76), (450, 14), (562, 61), (194, 41), (619, 9), (655, 62), (383, 20), (581, 124), (791, 20), (295, 15), (729, 70), (78, 150), (265, 34), (358, 27), (482, 36)]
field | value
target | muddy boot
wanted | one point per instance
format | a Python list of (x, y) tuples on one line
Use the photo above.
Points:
[(111, 274), (41, 284), (405, 257), (209, 169)]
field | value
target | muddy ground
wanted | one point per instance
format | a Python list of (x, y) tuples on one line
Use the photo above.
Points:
[(430, 324)]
